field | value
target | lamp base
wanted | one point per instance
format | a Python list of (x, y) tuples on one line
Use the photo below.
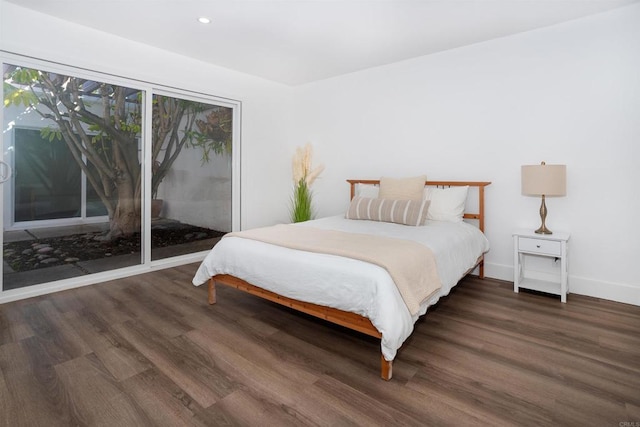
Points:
[(543, 216), (543, 230)]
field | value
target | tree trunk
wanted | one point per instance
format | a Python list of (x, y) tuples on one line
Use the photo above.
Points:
[(126, 218)]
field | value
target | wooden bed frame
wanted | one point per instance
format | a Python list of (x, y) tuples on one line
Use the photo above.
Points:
[(343, 318)]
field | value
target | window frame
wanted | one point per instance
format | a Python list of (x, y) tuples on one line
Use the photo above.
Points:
[(149, 88)]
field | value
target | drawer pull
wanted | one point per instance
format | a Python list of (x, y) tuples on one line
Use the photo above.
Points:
[(538, 246)]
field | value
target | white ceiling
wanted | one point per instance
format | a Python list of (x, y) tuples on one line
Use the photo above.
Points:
[(299, 41)]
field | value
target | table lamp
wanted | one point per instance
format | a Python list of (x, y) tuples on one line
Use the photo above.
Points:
[(544, 180)]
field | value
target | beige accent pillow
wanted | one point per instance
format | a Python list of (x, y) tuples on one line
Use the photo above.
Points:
[(403, 188), (407, 212)]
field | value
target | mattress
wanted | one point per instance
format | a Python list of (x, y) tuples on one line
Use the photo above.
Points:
[(348, 284)]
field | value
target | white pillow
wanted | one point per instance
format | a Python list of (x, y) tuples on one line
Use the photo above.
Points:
[(447, 204), (367, 190)]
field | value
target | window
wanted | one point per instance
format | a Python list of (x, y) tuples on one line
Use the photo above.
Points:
[(93, 156)]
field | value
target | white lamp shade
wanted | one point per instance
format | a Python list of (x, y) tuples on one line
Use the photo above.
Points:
[(547, 180)]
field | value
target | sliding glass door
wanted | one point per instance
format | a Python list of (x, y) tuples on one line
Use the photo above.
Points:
[(110, 174), (191, 174), (72, 206)]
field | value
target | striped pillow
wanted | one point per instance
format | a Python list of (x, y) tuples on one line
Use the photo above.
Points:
[(407, 212)]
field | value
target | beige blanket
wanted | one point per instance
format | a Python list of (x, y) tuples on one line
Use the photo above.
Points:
[(411, 265)]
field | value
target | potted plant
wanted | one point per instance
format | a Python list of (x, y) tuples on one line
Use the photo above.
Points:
[(303, 178)]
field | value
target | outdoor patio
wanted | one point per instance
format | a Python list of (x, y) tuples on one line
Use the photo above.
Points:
[(74, 267)]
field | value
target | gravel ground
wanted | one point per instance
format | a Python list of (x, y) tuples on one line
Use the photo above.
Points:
[(33, 254)]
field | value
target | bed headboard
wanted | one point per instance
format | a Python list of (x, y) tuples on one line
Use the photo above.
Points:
[(476, 213)]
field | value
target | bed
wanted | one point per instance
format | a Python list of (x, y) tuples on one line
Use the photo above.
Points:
[(353, 293)]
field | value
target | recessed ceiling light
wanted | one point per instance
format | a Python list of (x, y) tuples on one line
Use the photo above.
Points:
[(204, 20)]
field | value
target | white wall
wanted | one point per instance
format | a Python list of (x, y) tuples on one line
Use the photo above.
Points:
[(266, 106), (564, 94)]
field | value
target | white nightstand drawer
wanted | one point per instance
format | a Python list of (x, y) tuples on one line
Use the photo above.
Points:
[(547, 247)]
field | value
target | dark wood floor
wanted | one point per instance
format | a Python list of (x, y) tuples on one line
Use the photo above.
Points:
[(148, 350)]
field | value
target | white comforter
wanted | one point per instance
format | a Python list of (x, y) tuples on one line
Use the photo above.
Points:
[(345, 283)]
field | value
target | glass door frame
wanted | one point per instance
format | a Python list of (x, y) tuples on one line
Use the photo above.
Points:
[(235, 167), (149, 90)]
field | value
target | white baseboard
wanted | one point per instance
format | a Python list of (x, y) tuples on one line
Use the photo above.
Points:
[(498, 271), (618, 292)]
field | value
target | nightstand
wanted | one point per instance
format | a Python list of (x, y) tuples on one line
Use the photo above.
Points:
[(528, 243)]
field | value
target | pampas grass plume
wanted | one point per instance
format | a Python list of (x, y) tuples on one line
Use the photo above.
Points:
[(311, 177), (303, 177)]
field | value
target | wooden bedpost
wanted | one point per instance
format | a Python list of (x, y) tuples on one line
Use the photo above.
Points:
[(481, 223), (386, 368), (212, 291)]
